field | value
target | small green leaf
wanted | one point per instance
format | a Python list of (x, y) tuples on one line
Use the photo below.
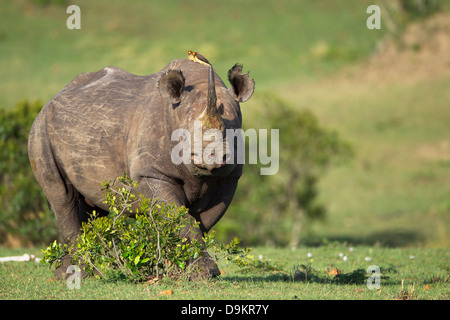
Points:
[(181, 264)]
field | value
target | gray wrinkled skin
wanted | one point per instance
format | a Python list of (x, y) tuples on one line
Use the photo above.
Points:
[(110, 122)]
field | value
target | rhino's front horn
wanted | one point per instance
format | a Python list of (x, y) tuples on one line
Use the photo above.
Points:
[(212, 98), (211, 118)]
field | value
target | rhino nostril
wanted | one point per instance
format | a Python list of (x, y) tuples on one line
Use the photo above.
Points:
[(210, 161)]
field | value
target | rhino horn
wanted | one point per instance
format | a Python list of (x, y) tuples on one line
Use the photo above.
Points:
[(212, 98), (211, 117)]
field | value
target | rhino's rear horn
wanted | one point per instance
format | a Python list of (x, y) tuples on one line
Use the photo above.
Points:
[(171, 85)]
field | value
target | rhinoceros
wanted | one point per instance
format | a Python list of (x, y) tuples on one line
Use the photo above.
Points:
[(110, 122)]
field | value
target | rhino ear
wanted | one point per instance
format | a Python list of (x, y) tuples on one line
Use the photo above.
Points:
[(171, 85), (242, 86)]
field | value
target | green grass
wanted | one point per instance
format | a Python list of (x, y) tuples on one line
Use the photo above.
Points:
[(416, 268)]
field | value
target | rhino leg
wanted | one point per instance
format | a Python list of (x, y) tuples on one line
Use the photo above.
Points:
[(64, 205), (172, 193), (62, 198)]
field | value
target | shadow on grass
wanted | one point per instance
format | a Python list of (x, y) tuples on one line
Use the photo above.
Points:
[(384, 238), (307, 274)]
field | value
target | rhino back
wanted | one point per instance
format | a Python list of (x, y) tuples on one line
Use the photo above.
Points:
[(93, 121)]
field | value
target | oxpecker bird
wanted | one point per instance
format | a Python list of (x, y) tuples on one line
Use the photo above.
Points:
[(197, 57)]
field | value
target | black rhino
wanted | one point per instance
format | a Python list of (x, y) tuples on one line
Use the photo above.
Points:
[(110, 122)]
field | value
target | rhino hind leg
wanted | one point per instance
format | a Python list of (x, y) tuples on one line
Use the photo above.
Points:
[(62, 199), (66, 209)]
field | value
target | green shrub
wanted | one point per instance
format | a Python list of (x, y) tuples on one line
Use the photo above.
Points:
[(119, 247), (24, 214), (419, 8)]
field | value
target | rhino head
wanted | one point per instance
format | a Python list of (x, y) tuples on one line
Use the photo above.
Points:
[(203, 108)]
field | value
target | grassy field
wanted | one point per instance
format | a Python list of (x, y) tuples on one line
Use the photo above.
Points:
[(391, 203), (305, 273), (394, 109), (396, 191)]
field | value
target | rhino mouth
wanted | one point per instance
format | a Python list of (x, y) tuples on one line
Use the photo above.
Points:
[(212, 161)]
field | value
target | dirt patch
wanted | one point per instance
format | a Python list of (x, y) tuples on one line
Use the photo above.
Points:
[(439, 151), (421, 53)]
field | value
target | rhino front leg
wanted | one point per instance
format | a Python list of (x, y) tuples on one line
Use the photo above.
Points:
[(171, 193), (210, 216)]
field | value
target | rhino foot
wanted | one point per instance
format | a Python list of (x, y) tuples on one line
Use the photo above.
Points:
[(61, 272), (204, 268)]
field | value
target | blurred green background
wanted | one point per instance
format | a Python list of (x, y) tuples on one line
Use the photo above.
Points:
[(375, 166), (276, 41)]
